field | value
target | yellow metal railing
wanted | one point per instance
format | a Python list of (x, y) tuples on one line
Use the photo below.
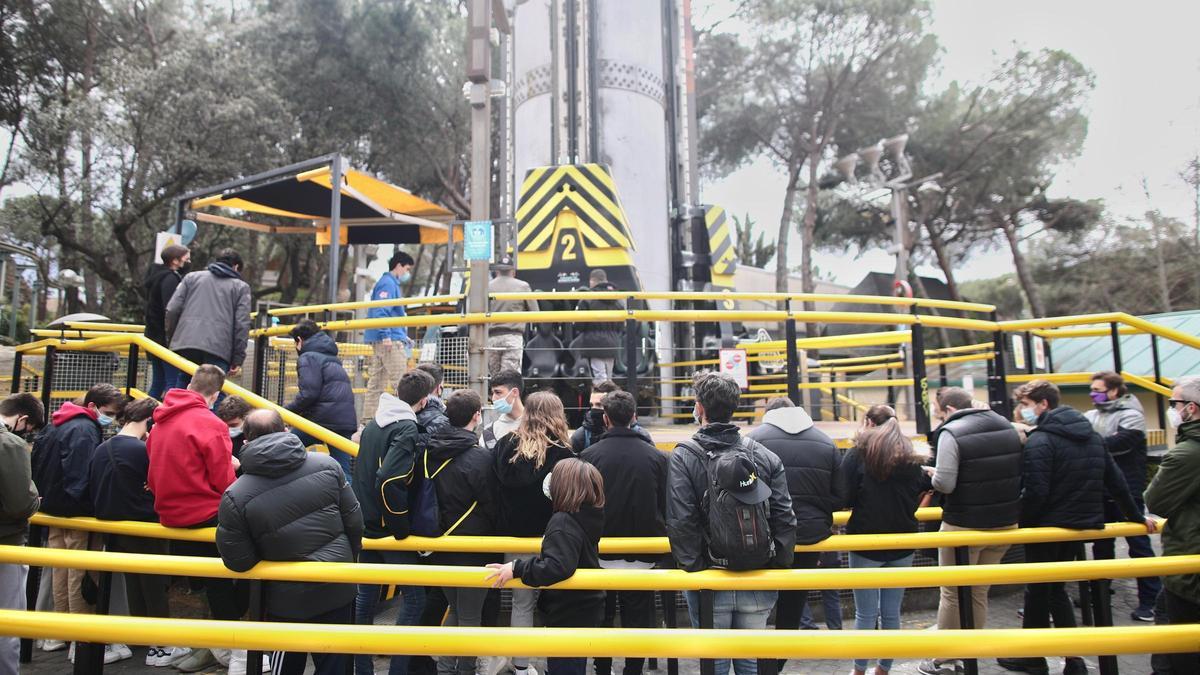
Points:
[(643, 545), (610, 642)]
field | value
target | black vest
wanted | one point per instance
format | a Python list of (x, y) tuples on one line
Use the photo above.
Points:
[(988, 491)]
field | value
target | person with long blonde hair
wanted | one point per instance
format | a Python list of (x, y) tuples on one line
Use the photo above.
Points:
[(523, 461), (885, 479)]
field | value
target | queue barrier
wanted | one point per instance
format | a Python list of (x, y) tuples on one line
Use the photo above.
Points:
[(613, 642), (612, 579), (638, 545)]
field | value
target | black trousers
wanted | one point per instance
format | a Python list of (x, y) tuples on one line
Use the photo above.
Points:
[(1045, 600), (228, 599), (790, 604), (292, 663), (637, 611), (1182, 610), (145, 593)]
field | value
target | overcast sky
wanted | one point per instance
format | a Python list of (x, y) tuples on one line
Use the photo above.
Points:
[(1144, 115)]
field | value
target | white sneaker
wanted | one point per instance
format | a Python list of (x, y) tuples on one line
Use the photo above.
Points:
[(116, 652), (169, 656), (238, 658), (494, 665), (153, 653), (52, 645), (223, 656), (71, 653), (528, 670)]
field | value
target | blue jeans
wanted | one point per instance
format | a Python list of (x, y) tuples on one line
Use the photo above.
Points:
[(368, 596), (341, 456), (162, 376), (734, 609), (200, 358), (880, 605), (833, 612)]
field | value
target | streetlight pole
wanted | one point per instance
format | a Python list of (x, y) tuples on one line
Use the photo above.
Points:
[(479, 74)]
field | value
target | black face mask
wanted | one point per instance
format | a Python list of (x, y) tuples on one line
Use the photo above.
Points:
[(595, 418)]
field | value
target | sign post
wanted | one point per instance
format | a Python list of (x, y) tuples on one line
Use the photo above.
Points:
[(478, 240)]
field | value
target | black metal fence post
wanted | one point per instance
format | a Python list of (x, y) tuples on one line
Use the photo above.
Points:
[(793, 357), (131, 370), (89, 657), (16, 373), (966, 607), (1115, 331), (633, 343), (32, 583), (1158, 398), (48, 377), (998, 396), (920, 380), (671, 620), (833, 394), (260, 363), (1030, 364), (1102, 606), (258, 612)]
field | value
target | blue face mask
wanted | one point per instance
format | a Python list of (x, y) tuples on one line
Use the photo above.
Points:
[(234, 432), (502, 406), (405, 277), (103, 420), (1029, 416)]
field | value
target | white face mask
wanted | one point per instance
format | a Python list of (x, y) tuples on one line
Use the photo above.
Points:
[(1174, 418), (546, 485)]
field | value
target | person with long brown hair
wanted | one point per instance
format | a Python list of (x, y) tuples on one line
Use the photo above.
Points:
[(884, 483), (523, 460), (571, 541)]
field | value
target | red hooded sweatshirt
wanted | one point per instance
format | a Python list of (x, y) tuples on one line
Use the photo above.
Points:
[(190, 460)]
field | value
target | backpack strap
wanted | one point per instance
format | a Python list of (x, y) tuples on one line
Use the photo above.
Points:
[(436, 471), (489, 437)]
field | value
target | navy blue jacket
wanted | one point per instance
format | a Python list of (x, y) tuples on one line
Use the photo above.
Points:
[(118, 480), (62, 454), (325, 397)]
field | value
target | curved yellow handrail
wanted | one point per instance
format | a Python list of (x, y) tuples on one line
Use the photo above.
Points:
[(611, 642), (612, 579), (642, 545)]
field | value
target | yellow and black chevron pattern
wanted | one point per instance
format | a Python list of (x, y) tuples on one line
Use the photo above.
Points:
[(720, 242), (587, 190)]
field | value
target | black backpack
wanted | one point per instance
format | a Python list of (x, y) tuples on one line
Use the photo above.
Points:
[(423, 508), (738, 536)]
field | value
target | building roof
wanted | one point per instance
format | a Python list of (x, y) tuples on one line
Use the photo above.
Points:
[(880, 283), (1092, 354)]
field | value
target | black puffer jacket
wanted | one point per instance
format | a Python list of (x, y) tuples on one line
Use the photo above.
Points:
[(687, 482), (635, 487), (572, 542), (812, 465), (432, 419), (524, 509), (325, 396), (466, 490), (290, 505), (599, 340), (1066, 471), (159, 284)]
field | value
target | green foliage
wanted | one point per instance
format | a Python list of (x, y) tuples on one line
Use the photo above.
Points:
[(751, 250), (1003, 291)]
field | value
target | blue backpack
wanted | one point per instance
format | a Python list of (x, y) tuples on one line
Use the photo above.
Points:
[(423, 508)]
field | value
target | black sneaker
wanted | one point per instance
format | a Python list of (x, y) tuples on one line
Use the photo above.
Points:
[(1142, 614), (1033, 666)]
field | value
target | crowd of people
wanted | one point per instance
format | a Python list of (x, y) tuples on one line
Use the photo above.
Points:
[(428, 465), (724, 499)]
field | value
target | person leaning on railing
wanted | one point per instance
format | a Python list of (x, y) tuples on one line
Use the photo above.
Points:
[(978, 469), (884, 482), (1175, 494), (1066, 470), (21, 414), (292, 505), (325, 396)]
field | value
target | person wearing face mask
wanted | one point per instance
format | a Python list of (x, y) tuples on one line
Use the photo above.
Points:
[(191, 465), (61, 455), (21, 414), (232, 411), (324, 394), (1119, 419), (506, 389), (383, 473), (390, 347), (1173, 494), (1066, 470), (593, 426), (159, 284), (118, 484)]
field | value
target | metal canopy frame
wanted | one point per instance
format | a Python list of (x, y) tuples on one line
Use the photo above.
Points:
[(337, 168)]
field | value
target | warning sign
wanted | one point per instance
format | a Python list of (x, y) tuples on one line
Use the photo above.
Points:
[(733, 364), (1039, 352), (1018, 351)]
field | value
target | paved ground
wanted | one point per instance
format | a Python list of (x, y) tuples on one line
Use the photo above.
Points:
[(1005, 602)]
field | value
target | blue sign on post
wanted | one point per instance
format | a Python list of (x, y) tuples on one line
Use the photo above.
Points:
[(477, 240)]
